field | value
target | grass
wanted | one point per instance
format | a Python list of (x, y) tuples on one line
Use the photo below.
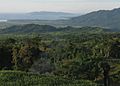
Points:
[(18, 78)]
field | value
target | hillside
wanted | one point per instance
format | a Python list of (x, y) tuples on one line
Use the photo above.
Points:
[(103, 18), (62, 55), (35, 28), (28, 28)]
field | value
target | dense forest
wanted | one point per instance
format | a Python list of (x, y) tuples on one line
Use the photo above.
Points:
[(44, 55)]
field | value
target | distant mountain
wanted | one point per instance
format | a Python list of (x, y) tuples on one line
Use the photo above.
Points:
[(102, 18), (43, 15), (51, 13)]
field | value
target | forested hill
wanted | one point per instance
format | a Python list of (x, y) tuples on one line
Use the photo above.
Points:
[(34, 28), (104, 18), (28, 28)]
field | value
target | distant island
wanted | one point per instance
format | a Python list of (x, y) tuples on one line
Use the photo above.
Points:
[(42, 15)]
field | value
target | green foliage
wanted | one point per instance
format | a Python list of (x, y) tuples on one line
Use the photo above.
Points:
[(17, 78), (43, 29), (72, 53), (80, 69), (24, 56)]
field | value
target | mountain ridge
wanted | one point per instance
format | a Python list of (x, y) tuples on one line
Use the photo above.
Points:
[(42, 15), (36, 28), (102, 18)]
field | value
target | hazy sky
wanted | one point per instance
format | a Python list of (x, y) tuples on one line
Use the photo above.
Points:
[(76, 6)]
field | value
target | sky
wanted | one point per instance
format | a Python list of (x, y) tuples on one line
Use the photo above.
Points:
[(72, 6)]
